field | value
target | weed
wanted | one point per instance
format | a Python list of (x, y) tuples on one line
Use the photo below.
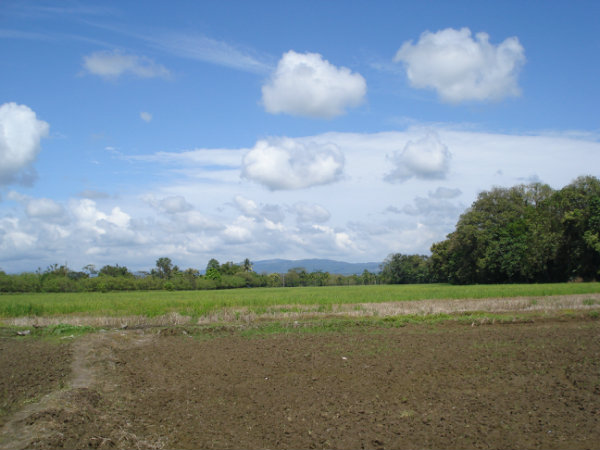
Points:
[(202, 303), (66, 329)]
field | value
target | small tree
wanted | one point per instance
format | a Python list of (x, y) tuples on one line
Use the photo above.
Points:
[(213, 264), (90, 269), (164, 267), (115, 271)]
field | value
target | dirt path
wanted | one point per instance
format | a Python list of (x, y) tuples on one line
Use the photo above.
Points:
[(42, 424), (523, 385)]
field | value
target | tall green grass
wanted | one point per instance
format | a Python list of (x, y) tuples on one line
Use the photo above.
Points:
[(199, 303)]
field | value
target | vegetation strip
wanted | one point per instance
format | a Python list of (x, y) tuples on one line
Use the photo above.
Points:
[(202, 303), (244, 315)]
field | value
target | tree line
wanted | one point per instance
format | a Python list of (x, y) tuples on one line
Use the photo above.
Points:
[(167, 276)]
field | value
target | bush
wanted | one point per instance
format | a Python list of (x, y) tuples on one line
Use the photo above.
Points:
[(59, 284)]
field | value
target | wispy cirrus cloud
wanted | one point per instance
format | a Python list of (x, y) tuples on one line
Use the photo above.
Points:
[(203, 48), (7, 33), (113, 64)]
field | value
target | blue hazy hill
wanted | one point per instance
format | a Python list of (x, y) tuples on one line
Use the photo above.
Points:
[(314, 265)]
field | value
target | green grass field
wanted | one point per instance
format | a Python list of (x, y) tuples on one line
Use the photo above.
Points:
[(200, 303)]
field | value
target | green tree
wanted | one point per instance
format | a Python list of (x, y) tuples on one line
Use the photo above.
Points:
[(368, 277), (579, 208), (115, 271), (527, 233), (504, 237), (164, 268), (229, 268), (213, 264), (90, 269), (404, 269)]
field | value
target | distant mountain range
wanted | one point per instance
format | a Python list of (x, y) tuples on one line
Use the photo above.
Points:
[(314, 265)]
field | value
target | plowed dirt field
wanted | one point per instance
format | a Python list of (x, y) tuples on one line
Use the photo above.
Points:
[(450, 385)]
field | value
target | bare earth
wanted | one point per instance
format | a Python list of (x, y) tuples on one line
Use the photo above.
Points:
[(452, 385)]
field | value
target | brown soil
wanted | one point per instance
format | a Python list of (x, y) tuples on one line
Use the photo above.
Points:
[(30, 369), (523, 385)]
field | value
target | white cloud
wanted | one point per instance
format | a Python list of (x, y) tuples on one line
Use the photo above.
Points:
[(445, 193), (270, 213), (44, 208), (20, 136), (309, 213), (113, 64), (426, 158), (13, 240), (304, 84), (39, 208), (146, 116), (90, 218), (93, 195), (246, 206), (237, 218), (340, 240), (285, 164), (437, 213), (194, 221), (240, 231), (174, 204), (461, 68)]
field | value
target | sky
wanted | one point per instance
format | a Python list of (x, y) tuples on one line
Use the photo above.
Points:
[(347, 130)]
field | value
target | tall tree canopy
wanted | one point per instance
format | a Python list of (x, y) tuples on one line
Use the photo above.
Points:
[(527, 233)]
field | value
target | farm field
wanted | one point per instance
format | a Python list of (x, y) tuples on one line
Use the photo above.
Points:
[(172, 308), (512, 372), (450, 385)]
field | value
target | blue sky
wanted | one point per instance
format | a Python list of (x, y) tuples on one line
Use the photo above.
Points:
[(344, 130)]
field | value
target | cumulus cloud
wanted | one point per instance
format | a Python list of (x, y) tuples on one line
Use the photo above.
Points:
[(284, 164), (145, 116), (113, 64), (339, 240), (438, 212), (240, 231), (44, 208), (13, 240), (93, 195), (304, 84), (246, 206), (310, 213), (445, 193), (431, 206), (20, 136), (90, 218), (39, 208), (195, 221), (174, 204), (427, 158), (272, 213), (461, 68)]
